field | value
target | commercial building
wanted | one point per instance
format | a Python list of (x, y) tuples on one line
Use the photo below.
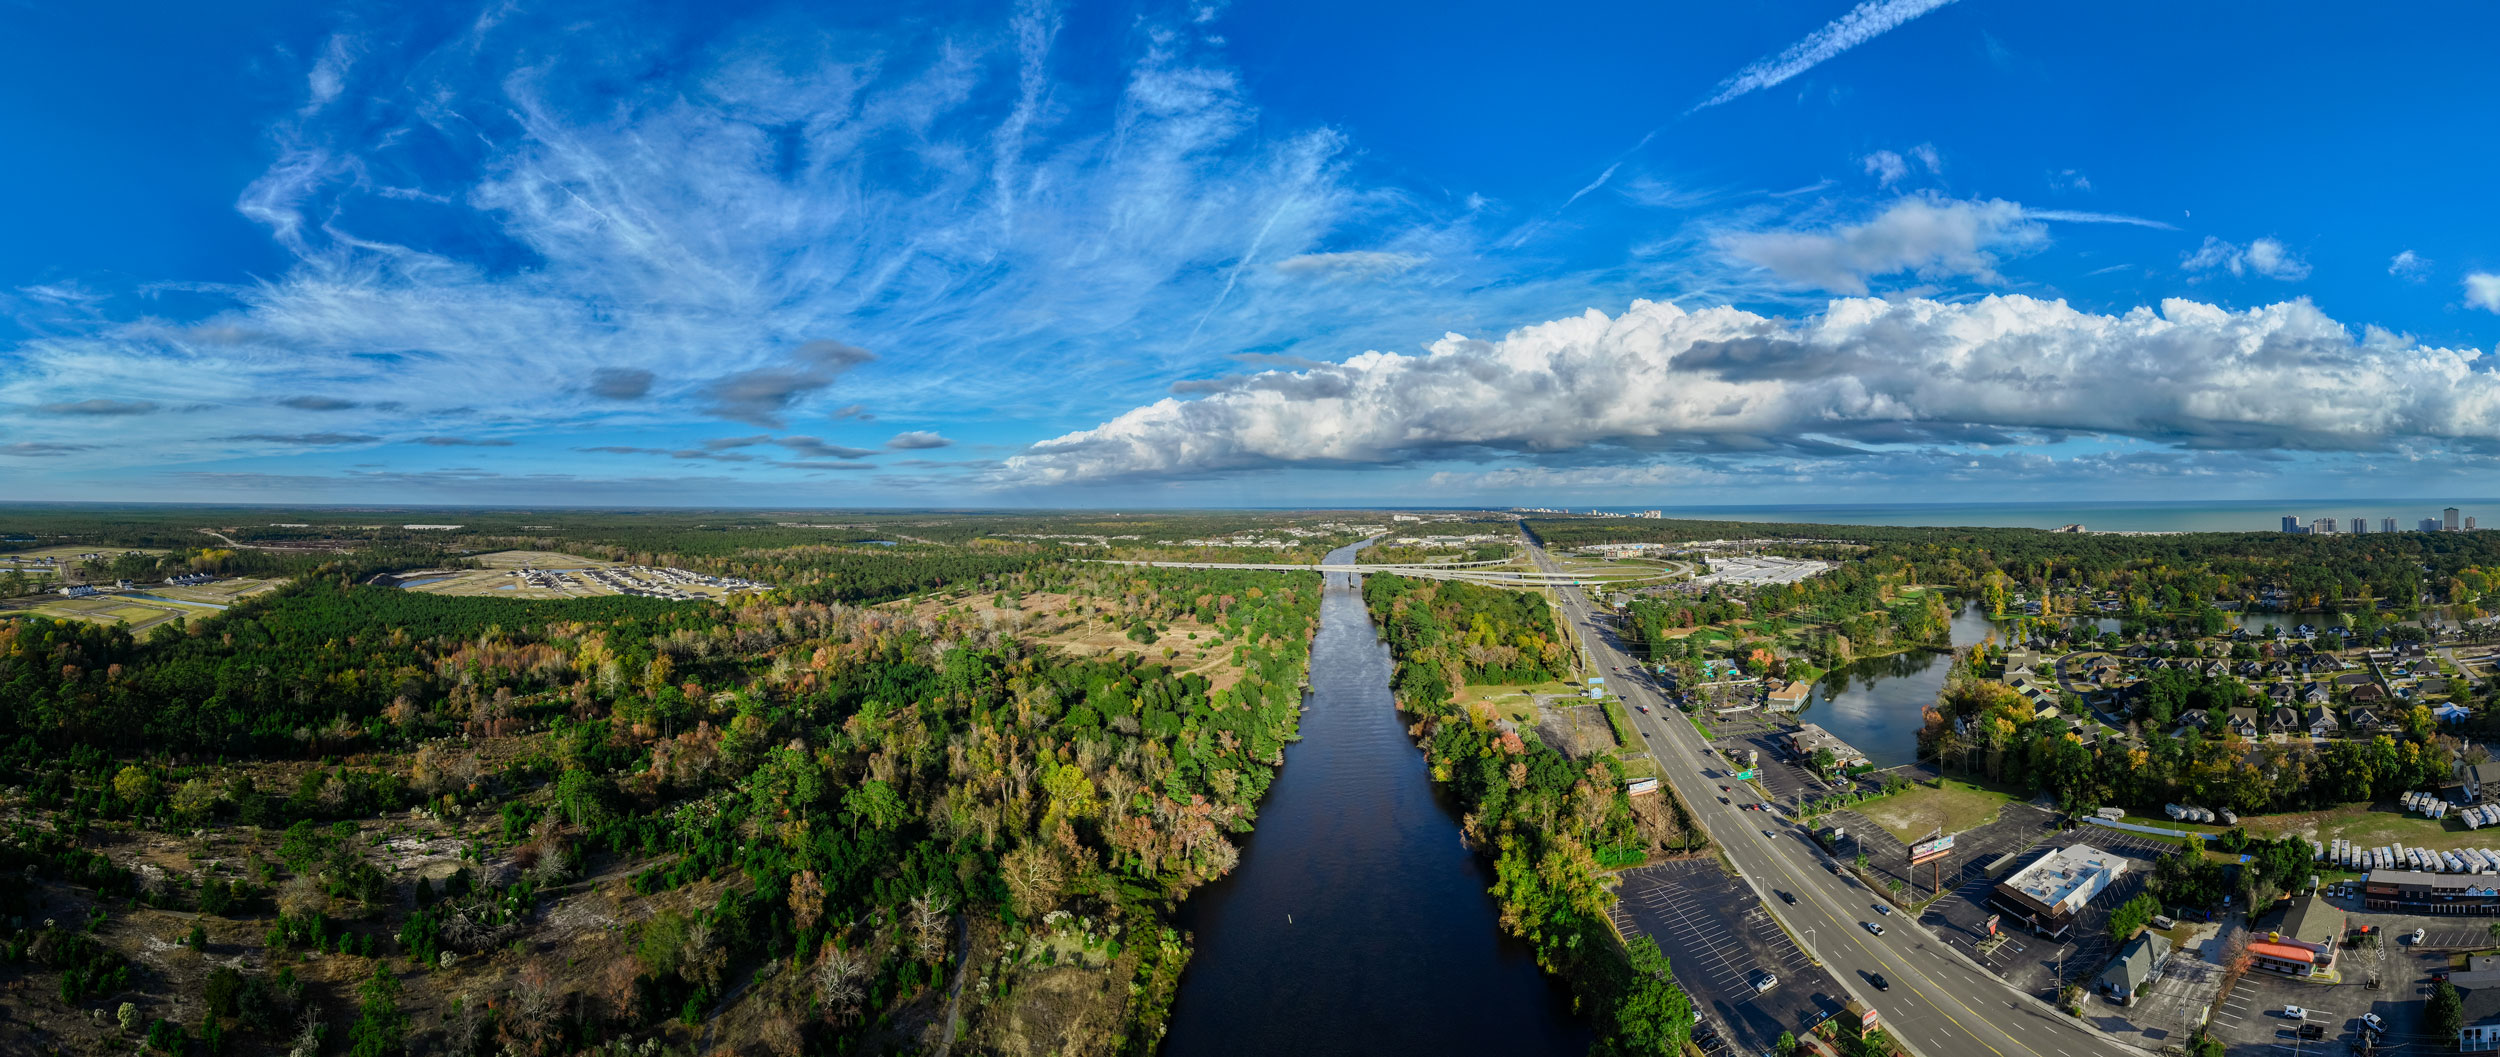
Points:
[(1810, 738), (2137, 965), (2304, 943), (2423, 892), (2448, 519), (2324, 526), (2291, 523), (1789, 696), (2046, 896), (2387, 524), (2360, 524)]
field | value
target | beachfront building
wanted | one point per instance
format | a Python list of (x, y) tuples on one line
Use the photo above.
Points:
[(2048, 895)]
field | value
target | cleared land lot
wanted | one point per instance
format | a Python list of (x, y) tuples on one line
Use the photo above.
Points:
[(217, 593), (140, 614), (547, 574), (1914, 812)]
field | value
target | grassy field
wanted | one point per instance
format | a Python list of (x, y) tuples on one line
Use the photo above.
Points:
[(507, 560), (71, 551), (219, 593), (1918, 810), (140, 614), (2370, 825), (1515, 703)]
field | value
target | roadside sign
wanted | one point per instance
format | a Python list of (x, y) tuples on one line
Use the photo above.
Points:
[(1992, 923), (1930, 850), (1745, 775)]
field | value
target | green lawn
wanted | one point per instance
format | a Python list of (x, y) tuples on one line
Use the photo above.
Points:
[(1917, 811), (2370, 825), (1516, 703)]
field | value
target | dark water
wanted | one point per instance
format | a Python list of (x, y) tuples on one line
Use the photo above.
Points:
[(1393, 945), (1878, 704)]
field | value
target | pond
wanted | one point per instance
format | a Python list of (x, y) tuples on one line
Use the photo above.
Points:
[(1878, 704)]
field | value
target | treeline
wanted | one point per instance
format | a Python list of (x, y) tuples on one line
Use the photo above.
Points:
[(1551, 824), (1983, 727), (2164, 574)]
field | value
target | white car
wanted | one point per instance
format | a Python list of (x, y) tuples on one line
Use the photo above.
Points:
[(2295, 1013), (2373, 1022), (2417, 936), (1873, 926)]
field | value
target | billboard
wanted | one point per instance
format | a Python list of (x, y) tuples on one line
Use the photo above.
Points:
[(1930, 850), (1992, 923)]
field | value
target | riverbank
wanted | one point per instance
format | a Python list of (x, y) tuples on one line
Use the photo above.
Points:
[(1553, 824)]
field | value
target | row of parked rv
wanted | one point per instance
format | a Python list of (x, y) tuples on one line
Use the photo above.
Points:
[(2431, 806), (2479, 817), (2352, 856), (2184, 813)]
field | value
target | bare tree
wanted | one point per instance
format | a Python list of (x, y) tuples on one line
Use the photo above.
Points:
[(838, 974), (929, 920)]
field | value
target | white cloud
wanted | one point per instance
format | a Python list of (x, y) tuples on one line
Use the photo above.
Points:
[(2069, 180), (2264, 256), (2409, 266), (1886, 167), (1925, 235), (1863, 23), (2482, 290), (1864, 372), (2076, 216)]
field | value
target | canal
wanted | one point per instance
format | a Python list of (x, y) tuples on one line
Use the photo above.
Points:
[(1356, 923)]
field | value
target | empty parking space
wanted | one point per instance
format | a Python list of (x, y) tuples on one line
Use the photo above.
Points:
[(1721, 939)]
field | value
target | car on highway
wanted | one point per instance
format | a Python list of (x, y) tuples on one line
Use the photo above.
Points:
[(1883, 908), (1789, 899), (2295, 1013), (1766, 833), (1723, 800), (1875, 927), (1880, 983)]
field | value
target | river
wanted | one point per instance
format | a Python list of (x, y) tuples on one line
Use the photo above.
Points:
[(1356, 923)]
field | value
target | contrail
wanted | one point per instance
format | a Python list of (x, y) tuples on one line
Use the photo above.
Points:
[(1863, 23), (2078, 217)]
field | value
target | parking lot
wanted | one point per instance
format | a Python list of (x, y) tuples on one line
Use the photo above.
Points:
[(2018, 827), (2036, 964), (1787, 783), (1719, 938), (2251, 1017)]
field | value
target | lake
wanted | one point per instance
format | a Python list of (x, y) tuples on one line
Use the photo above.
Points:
[(1877, 704)]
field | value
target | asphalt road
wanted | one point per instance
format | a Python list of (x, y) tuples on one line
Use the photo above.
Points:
[(1939, 1005)]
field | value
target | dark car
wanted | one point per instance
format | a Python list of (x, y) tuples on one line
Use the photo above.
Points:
[(2313, 1032), (1788, 899), (1880, 983)]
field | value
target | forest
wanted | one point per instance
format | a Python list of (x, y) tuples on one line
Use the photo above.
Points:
[(1551, 824), (828, 826)]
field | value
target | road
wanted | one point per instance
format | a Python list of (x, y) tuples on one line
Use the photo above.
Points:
[(1939, 1005), (1472, 572)]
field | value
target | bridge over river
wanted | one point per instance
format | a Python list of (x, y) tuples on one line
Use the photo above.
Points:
[(1470, 572)]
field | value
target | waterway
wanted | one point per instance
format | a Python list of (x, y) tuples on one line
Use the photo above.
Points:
[(1356, 922)]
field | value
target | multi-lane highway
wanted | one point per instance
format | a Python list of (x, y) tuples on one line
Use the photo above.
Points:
[(1939, 1005)]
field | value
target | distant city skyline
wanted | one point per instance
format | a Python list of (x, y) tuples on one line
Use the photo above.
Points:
[(1035, 254)]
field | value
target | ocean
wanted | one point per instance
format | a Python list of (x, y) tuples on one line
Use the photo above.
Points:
[(2234, 516)]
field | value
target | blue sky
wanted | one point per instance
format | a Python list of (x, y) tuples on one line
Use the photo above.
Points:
[(1277, 254)]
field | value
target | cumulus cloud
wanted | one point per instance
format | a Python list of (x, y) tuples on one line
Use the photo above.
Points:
[(2265, 256), (1864, 372), (620, 383), (2409, 266), (1863, 23), (2482, 290), (98, 406), (917, 440), (1928, 236), (763, 395)]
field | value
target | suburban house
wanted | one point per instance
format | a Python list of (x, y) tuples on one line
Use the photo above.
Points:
[(2284, 720), (2482, 782), (2361, 721), (2137, 965), (2322, 723)]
